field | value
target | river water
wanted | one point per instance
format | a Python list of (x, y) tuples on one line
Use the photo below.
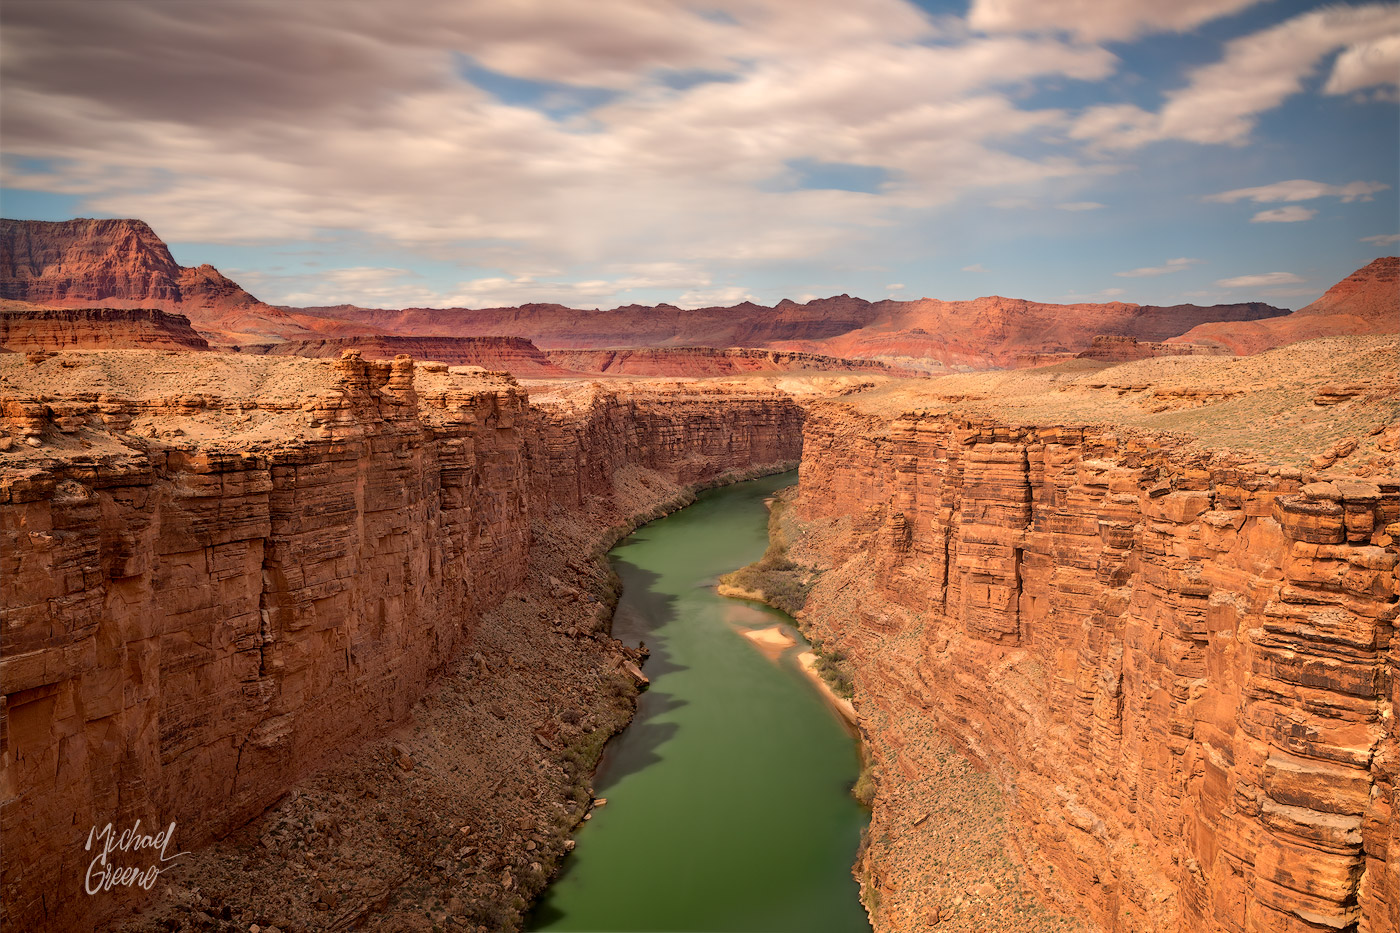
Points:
[(729, 804)]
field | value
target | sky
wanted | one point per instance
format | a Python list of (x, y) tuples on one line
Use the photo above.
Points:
[(447, 153)]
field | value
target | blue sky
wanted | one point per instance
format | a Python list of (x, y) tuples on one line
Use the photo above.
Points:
[(605, 152)]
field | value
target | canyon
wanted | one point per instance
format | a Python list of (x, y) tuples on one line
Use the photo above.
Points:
[(325, 587), (223, 573), (235, 576)]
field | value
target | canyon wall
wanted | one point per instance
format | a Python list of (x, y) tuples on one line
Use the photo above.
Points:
[(97, 329), (516, 355), (1178, 666), (190, 627), (706, 361)]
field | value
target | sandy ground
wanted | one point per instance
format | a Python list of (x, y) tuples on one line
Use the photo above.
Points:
[(772, 641)]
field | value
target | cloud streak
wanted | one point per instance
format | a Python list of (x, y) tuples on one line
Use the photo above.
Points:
[(1172, 265)]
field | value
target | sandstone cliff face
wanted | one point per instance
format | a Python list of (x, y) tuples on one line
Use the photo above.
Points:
[(191, 627), (1124, 349), (511, 354), (1178, 667), (85, 261), (97, 328), (124, 264), (705, 361)]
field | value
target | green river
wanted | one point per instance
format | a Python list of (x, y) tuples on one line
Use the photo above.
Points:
[(728, 798)]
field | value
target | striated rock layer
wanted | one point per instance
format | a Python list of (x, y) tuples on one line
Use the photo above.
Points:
[(515, 355), (191, 625), (97, 329), (706, 361), (1178, 665)]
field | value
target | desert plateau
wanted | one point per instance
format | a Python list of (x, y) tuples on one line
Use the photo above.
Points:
[(450, 479)]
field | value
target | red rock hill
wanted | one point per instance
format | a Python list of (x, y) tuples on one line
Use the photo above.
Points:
[(1365, 302)]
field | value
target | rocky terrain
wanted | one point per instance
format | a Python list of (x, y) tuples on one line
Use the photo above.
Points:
[(1365, 302), (1126, 349), (224, 574), (515, 355), (709, 361), (1155, 601), (45, 329)]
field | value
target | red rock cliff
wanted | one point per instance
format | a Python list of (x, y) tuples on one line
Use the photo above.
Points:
[(189, 626), (1179, 667), (97, 328), (512, 354)]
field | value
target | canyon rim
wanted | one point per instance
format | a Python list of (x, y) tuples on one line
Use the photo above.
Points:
[(338, 348)]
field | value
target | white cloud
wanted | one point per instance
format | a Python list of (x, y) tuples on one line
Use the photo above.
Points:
[(1261, 280), (1080, 206), (199, 120), (975, 267), (1364, 65), (1300, 189), (715, 297), (1284, 215), (1096, 21), (1172, 265), (894, 287), (1258, 72), (1382, 239)]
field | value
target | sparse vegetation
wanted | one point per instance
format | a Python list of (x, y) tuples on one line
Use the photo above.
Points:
[(834, 669), (779, 581), (864, 789)]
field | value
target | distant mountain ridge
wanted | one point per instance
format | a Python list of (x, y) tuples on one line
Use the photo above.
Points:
[(123, 263)]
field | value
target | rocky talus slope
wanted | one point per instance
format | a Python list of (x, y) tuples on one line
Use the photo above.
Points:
[(47, 329), (1174, 656), (221, 575)]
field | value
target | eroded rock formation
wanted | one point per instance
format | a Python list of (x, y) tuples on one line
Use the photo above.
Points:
[(1178, 665), (191, 625), (97, 329), (515, 355), (1125, 349), (707, 361)]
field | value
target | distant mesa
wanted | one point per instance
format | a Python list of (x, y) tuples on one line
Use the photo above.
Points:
[(1127, 349), (96, 329), (512, 354), (123, 264), (711, 361)]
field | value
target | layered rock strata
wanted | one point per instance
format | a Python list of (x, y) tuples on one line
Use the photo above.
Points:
[(1111, 349), (191, 626), (54, 329), (707, 361), (1178, 665), (515, 355)]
